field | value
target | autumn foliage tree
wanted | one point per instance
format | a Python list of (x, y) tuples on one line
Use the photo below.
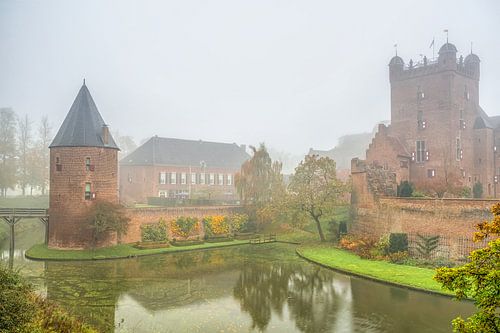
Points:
[(260, 184), (104, 218), (315, 189), (479, 279)]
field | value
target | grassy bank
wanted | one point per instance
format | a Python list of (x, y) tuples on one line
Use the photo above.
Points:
[(42, 252), (401, 275)]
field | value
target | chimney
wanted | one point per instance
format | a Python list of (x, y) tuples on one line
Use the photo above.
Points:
[(105, 134)]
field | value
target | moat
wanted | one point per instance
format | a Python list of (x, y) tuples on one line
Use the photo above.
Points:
[(251, 288)]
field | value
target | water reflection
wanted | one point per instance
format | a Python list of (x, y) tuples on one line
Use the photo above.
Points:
[(251, 288)]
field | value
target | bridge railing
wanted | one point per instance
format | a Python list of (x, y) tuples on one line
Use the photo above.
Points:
[(23, 212)]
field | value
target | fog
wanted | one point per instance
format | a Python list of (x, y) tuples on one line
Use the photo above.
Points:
[(292, 74)]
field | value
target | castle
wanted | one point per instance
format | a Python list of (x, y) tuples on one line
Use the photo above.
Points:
[(439, 135), (83, 168)]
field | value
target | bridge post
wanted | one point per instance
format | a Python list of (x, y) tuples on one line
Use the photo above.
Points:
[(12, 243)]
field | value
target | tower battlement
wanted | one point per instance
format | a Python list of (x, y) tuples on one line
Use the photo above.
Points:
[(446, 61)]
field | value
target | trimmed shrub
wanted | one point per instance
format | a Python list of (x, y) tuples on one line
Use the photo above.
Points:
[(405, 189), (398, 242), (155, 232), (238, 222), (477, 190), (216, 225), (184, 226)]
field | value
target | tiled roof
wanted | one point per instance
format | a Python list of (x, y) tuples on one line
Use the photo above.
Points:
[(83, 126), (179, 152)]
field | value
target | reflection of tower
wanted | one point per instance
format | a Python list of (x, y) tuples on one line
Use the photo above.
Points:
[(83, 169), (89, 291)]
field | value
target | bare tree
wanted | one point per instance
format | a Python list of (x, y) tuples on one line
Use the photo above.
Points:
[(24, 139), (7, 150), (42, 153)]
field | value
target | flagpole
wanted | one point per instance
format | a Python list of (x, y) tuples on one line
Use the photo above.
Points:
[(433, 54)]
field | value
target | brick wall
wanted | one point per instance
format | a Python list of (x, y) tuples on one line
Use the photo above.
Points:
[(454, 219), (68, 207), (139, 217)]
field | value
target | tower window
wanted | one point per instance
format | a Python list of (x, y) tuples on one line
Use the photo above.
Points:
[(431, 173), (58, 164), (88, 166), (88, 191), (420, 120), (462, 121), (421, 155), (466, 94), (459, 152)]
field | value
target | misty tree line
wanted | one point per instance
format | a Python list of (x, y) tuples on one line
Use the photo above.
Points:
[(24, 152)]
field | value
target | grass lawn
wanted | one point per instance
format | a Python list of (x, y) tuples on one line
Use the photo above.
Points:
[(40, 251), (409, 276)]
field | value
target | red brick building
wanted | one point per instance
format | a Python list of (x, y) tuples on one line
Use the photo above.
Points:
[(83, 168), (180, 169), (438, 130)]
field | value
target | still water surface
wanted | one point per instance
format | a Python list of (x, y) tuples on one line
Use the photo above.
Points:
[(253, 288)]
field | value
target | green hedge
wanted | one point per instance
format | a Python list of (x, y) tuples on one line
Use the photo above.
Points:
[(151, 245), (187, 242), (154, 232), (219, 240), (398, 242)]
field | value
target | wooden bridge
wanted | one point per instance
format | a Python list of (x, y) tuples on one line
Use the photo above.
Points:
[(14, 215), (259, 239)]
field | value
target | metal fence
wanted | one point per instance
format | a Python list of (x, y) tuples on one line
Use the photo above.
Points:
[(456, 248)]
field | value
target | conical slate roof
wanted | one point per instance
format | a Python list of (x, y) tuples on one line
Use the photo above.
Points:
[(83, 126)]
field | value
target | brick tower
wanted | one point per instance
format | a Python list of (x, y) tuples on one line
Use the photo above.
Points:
[(439, 134), (83, 169)]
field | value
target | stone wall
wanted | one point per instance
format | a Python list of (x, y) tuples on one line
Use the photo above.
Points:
[(142, 216)]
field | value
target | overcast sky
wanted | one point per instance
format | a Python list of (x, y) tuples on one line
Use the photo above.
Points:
[(293, 74)]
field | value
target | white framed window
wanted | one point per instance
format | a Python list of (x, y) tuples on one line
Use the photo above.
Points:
[(163, 194), (229, 179), (193, 178), (173, 178), (220, 179), (421, 157), (163, 177), (202, 178), (212, 178), (183, 178)]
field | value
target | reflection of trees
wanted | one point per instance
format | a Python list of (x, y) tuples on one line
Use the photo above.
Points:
[(261, 288), (309, 294)]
